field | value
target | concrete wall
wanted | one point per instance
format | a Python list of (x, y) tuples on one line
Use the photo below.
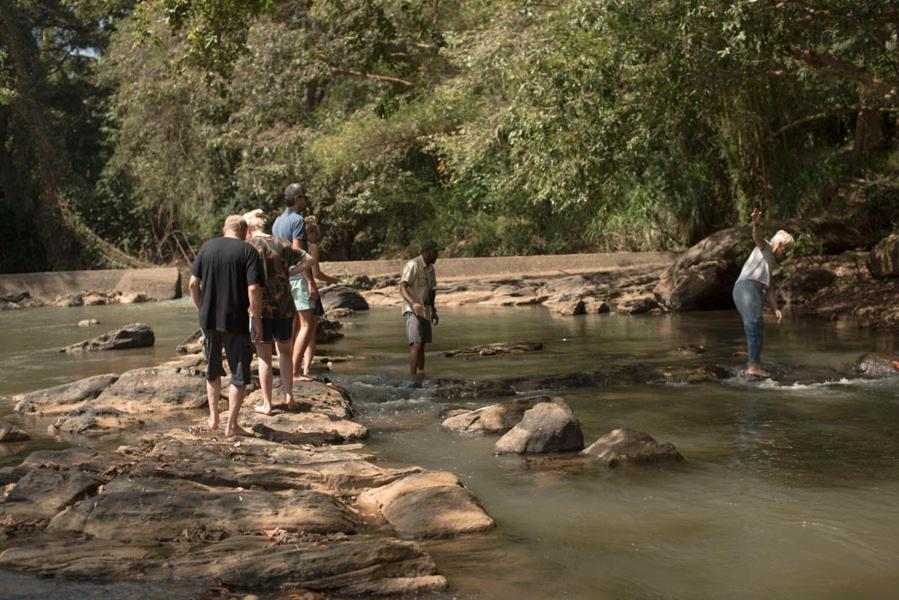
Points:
[(160, 284)]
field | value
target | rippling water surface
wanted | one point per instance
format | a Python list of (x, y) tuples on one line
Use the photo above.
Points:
[(790, 490)]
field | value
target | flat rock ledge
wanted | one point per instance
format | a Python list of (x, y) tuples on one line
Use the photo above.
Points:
[(427, 505), (134, 335), (622, 447), (547, 427), (497, 349)]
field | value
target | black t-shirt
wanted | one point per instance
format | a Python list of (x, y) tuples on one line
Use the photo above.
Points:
[(226, 266)]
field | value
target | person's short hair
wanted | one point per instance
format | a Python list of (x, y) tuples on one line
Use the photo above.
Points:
[(292, 192), (255, 219), (236, 224), (430, 245), (782, 237)]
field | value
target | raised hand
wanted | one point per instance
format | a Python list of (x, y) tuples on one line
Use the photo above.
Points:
[(756, 215)]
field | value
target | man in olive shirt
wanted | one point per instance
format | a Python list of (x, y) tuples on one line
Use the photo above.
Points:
[(417, 287), (226, 284)]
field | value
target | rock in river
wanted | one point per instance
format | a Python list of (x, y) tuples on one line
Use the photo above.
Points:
[(11, 433), (342, 296), (496, 418), (134, 335), (627, 446), (427, 505), (61, 397), (496, 349), (877, 364), (547, 427)]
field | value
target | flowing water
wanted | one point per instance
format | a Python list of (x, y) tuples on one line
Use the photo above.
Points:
[(789, 490)]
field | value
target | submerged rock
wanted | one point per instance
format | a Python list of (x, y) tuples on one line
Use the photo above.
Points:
[(496, 418), (547, 427), (496, 349), (88, 322), (627, 446), (134, 335), (877, 364), (427, 505), (342, 296)]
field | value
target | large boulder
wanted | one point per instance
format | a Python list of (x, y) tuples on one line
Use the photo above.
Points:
[(496, 418), (877, 364), (134, 335), (630, 447), (547, 427), (163, 509), (883, 261), (342, 296), (427, 505)]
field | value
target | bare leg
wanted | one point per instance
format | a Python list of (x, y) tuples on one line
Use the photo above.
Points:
[(285, 362), (264, 352), (301, 342), (414, 359), (213, 393), (235, 399), (310, 348), (421, 358)]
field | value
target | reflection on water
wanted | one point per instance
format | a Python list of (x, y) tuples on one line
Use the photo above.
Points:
[(789, 490)]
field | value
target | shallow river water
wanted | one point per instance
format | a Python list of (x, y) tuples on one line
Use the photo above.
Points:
[(788, 491)]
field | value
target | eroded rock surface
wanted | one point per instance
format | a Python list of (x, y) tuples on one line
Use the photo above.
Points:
[(499, 348), (427, 505), (547, 427), (496, 418), (631, 447), (11, 433), (877, 364), (342, 296), (61, 397)]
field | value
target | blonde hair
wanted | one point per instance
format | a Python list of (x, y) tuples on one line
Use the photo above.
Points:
[(255, 219), (782, 238), (235, 223)]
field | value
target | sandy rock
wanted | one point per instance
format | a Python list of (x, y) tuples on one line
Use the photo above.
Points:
[(547, 427), (87, 420), (342, 296), (160, 509), (310, 396), (596, 306), (134, 335), (260, 464), (883, 261), (42, 493), (88, 322), (11, 433), (149, 389), (427, 505), (305, 423), (630, 447), (60, 398), (97, 560), (133, 298), (19, 300), (877, 364), (500, 348), (496, 418), (100, 464), (636, 304), (359, 566), (192, 344)]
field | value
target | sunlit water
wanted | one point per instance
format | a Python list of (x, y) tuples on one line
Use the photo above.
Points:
[(789, 491)]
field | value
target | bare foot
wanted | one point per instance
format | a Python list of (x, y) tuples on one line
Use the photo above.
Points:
[(263, 409), (214, 423), (304, 377), (757, 372), (238, 430)]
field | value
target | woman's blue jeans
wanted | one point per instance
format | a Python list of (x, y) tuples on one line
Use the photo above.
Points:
[(749, 298)]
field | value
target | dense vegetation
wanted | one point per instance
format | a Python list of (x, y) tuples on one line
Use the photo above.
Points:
[(497, 127)]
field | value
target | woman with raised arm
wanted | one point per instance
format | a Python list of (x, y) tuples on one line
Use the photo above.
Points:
[(753, 284), (313, 237)]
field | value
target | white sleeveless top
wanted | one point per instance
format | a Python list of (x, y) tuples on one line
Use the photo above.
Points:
[(759, 265)]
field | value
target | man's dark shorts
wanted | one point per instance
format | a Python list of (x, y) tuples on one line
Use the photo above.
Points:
[(237, 348), (273, 330), (418, 329)]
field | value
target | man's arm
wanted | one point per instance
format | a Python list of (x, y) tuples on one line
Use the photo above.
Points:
[(301, 261), (760, 242), (417, 308), (431, 302), (194, 287), (772, 299)]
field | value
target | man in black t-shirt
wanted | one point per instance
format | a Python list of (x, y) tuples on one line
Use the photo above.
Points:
[(226, 284)]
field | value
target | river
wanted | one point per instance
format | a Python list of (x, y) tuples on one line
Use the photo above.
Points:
[(788, 490)]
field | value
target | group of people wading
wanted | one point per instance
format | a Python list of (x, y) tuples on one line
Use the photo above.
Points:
[(259, 291)]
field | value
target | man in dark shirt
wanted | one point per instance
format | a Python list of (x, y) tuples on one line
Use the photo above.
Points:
[(226, 284)]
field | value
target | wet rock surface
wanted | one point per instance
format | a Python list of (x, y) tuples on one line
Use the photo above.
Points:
[(11, 433), (60, 398), (497, 349), (547, 427), (877, 364), (342, 296), (134, 335), (427, 505), (630, 447), (496, 418)]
